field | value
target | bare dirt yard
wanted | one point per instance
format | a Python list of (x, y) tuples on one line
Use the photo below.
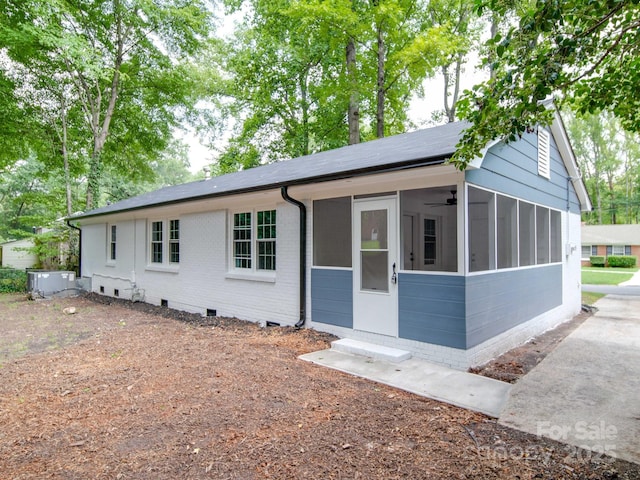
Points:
[(131, 391)]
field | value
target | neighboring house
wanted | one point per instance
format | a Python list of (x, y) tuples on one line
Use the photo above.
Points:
[(606, 240), (382, 241), (15, 254)]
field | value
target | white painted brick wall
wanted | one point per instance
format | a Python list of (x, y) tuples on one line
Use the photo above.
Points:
[(201, 281)]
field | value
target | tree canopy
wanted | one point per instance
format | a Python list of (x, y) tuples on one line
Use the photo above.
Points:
[(109, 78), (584, 53)]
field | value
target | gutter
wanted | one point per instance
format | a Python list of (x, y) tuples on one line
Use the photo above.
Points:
[(79, 246), (303, 254)]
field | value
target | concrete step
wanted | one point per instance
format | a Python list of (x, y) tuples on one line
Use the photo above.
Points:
[(378, 352)]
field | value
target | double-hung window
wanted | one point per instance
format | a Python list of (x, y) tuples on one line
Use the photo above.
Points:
[(112, 243), (174, 241), (254, 240), (164, 246)]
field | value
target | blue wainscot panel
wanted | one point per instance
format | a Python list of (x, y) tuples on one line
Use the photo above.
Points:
[(499, 301), (432, 309), (332, 297)]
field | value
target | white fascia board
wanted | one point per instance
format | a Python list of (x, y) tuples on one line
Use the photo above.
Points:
[(568, 157)]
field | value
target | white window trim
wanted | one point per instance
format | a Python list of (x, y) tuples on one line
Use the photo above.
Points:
[(253, 273), (544, 153), (165, 265)]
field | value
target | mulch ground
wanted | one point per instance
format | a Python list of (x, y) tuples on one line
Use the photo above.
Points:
[(121, 391)]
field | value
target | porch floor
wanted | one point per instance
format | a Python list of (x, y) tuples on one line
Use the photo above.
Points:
[(466, 390)]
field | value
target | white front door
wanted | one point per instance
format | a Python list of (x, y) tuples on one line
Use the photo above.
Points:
[(375, 266)]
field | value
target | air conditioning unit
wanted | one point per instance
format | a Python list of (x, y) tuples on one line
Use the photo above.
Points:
[(44, 283)]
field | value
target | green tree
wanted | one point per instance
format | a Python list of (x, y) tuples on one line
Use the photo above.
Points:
[(585, 53), (306, 76), (126, 61)]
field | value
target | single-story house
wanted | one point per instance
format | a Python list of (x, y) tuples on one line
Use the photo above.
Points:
[(606, 240), (384, 242), (16, 254)]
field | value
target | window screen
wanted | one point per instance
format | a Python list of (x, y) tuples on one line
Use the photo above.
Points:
[(555, 224), (507, 235), (332, 232), (542, 235), (481, 230)]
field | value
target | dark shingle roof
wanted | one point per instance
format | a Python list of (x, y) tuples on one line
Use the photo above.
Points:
[(432, 145)]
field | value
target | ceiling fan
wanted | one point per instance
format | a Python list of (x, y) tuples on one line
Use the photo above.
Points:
[(451, 201)]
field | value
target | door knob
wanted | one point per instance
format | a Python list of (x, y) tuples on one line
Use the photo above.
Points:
[(394, 277)]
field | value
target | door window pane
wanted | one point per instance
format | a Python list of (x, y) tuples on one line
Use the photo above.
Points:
[(374, 270), (373, 230)]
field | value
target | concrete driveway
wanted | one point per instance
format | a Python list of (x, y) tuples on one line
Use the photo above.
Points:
[(586, 393)]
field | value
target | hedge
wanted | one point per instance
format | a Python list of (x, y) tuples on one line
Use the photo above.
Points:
[(597, 260), (626, 261), (13, 281)]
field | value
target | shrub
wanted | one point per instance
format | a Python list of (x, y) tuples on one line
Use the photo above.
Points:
[(626, 261), (13, 281), (597, 260)]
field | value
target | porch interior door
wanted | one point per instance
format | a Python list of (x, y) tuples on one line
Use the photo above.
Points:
[(375, 265)]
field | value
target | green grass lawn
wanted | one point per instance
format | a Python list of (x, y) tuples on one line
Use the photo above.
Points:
[(606, 276), (589, 298)]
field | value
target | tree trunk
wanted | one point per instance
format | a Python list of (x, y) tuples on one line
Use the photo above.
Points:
[(451, 110), (99, 128), (494, 31), (304, 100), (65, 157), (380, 84), (354, 102)]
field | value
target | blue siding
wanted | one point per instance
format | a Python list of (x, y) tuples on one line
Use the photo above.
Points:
[(432, 309), (513, 169), (498, 301), (332, 297)]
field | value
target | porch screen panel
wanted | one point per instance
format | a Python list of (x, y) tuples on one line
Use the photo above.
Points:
[(481, 230), (542, 235), (507, 235), (429, 230), (555, 224), (527, 233), (332, 232)]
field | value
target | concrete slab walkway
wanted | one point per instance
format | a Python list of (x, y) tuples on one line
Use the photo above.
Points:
[(586, 393), (462, 389)]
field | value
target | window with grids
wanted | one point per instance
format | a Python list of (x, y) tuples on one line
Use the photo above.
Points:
[(430, 241), (174, 241), (242, 240), (254, 240), (112, 243), (619, 250), (156, 242), (266, 240)]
